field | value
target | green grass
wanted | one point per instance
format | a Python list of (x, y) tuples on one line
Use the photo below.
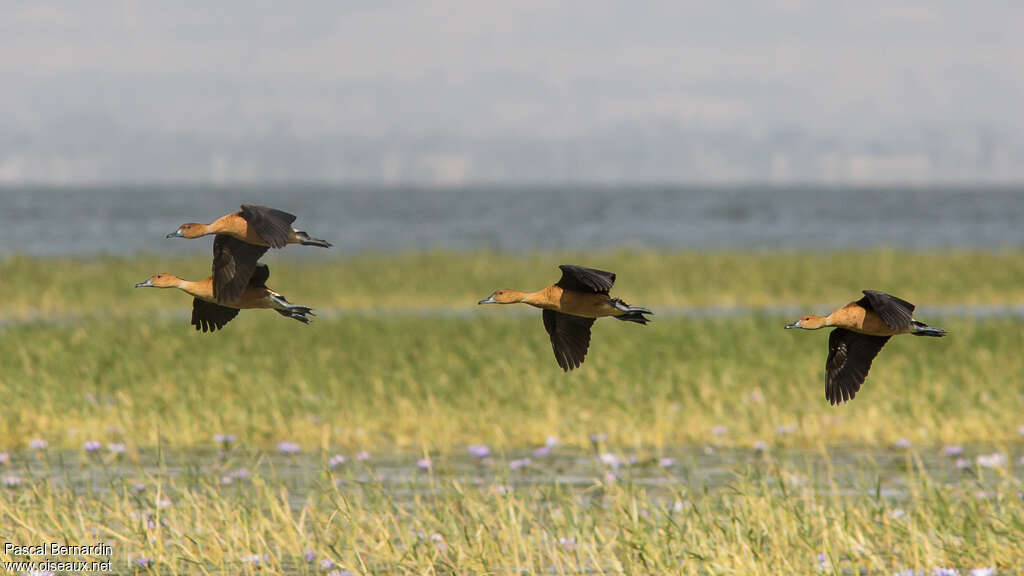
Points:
[(52, 286), (84, 356), (437, 382), (774, 517)]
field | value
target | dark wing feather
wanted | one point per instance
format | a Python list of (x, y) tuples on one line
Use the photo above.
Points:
[(849, 359), (580, 279), (896, 313), (570, 337), (274, 226), (209, 317), (260, 276), (233, 264)]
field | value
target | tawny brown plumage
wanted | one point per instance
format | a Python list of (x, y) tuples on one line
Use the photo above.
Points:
[(570, 307), (862, 328), (241, 238), (209, 314)]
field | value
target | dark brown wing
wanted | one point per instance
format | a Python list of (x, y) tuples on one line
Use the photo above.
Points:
[(570, 337), (208, 317), (896, 313), (274, 226), (233, 264), (580, 279), (260, 276), (849, 359)]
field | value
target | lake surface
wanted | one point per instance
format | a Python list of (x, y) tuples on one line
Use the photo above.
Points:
[(364, 218)]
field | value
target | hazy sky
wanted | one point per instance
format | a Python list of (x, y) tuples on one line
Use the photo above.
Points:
[(475, 90)]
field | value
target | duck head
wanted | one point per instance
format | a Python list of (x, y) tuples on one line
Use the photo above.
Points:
[(160, 280), (503, 296), (189, 230), (809, 322)]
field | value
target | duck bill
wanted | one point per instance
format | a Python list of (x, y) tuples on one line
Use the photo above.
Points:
[(794, 325), (176, 234), (146, 284), (489, 300)]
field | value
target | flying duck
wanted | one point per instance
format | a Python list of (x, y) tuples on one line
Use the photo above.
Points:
[(570, 307), (210, 314), (861, 329)]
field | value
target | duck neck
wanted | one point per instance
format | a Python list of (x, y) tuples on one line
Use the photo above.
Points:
[(191, 288), (539, 299), (827, 320)]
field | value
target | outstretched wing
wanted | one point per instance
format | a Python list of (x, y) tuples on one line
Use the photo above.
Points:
[(209, 317), (849, 359), (274, 226), (570, 337), (580, 279), (260, 276), (234, 262), (896, 313)]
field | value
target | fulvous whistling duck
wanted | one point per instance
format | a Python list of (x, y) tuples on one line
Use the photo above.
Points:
[(241, 239), (209, 314), (862, 328), (570, 307)]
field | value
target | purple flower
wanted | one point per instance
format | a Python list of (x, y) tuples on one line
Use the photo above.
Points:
[(336, 460), (424, 464), (962, 463), (439, 542), (901, 444), (953, 450), (288, 448), (542, 451), (340, 573), (362, 455), (309, 556), (666, 462), (567, 543), (760, 446), (143, 562), (10, 481), (92, 446), (478, 450), (720, 430), (983, 572), (230, 477), (551, 441), (224, 439), (822, 561), (520, 463), (598, 438), (138, 487), (326, 564), (609, 459), (4, 457), (116, 448), (38, 444), (783, 430), (945, 572)]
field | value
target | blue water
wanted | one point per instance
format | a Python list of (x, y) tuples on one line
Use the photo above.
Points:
[(366, 218)]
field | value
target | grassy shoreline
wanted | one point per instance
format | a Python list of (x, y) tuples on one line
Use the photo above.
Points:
[(439, 382), (52, 286)]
